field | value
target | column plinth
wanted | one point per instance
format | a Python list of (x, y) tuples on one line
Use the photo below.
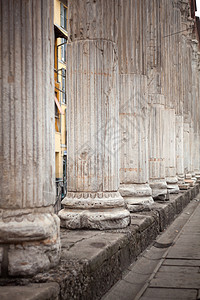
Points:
[(101, 210), (138, 197)]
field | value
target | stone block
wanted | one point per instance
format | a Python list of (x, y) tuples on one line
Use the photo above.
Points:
[(31, 258)]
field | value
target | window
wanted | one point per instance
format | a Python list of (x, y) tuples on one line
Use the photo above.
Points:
[(63, 49), (64, 85), (63, 24), (63, 16)]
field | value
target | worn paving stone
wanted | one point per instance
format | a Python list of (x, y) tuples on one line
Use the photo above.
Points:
[(184, 251), (176, 280), (181, 262), (122, 291), (169, 294), (136, 278), (43, 291), (144, 266), (179, 269)]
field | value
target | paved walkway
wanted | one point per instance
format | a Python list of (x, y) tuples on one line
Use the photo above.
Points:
[(170, 269)]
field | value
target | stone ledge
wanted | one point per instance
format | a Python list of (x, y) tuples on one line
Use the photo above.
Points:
[(92, 261)]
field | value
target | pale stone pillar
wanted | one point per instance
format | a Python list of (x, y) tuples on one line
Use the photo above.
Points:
[(29, 229), (179, 77), (179, 149), (134, 186), (195, 109), (169, 150), (93, 199), (170, 90), (156, 147), (156, 100), (188, 121), (197, 147)]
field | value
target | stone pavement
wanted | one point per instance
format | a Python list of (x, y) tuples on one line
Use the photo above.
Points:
[(170, 268)]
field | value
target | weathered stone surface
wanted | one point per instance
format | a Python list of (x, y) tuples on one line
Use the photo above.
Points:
[(29, 227), (33, 258), (181, 280), (169, 294), (181, 262), (137, 196), (44, 291)]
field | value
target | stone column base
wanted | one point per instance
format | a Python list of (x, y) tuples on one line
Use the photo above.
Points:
[(159, 189), (101, 210), (190, 179), (137, 197), (181, 182), (180, 178), (172, 185), (29, 242), (197, 175)]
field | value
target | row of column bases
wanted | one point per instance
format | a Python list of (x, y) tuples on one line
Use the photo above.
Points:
[(132, 125)]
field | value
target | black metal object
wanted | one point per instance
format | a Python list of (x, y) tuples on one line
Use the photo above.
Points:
[(61, 191)]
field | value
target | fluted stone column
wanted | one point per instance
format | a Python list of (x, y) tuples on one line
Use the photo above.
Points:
[(179, 75), (93, 199), (197, 147), (195, 109), (188, 123), (170, 90), (29, 229), (134, 186), (179, 149), (169, 150), (156, 101)]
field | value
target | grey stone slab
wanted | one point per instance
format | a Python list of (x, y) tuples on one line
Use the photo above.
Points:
[(179, 269), (43, 291), (177, 280), (96, 249), (77, 235), (181, 262), (166, 293), (144, 266), (154, 253), (136, 278), (122, 291), (184, 251)]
